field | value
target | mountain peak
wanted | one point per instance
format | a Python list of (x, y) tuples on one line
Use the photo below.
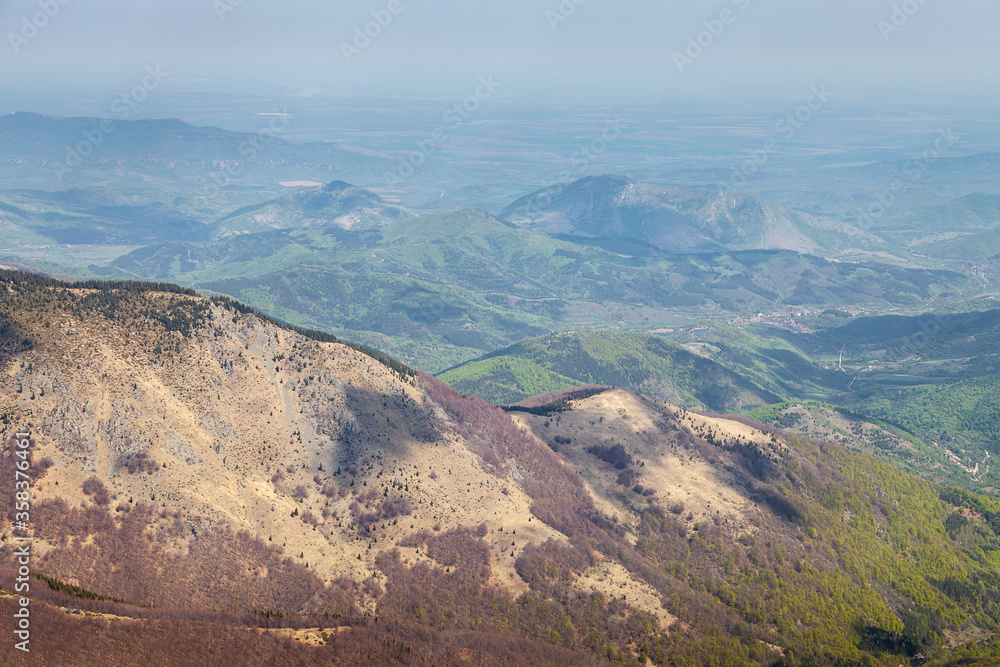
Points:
[(614, 209), (336, 204), (337, 186)]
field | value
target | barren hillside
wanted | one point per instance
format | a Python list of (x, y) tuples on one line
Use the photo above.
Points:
[(193, 457)]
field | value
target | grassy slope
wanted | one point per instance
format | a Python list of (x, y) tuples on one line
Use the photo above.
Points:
[(504, 380)]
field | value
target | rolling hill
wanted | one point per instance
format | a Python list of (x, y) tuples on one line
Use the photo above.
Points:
[(30, 139), (929, 381), (713, 366), (646, 363), (967, 228), (87, 218), (200, 173), (442, 289)]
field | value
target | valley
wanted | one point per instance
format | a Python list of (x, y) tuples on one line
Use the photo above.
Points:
[(334, 420)]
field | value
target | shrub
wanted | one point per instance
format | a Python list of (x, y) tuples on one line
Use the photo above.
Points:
[(616, 455), (95, 488), (139, 463)]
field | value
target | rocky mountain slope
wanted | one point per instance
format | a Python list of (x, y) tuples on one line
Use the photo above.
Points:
[(198, 469)]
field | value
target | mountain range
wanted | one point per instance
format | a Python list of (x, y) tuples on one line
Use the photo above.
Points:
[(464, 284), (201, 473)]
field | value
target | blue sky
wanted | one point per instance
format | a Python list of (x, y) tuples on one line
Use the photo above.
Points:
[(545, 48)]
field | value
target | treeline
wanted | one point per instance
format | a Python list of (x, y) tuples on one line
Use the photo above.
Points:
[(115, 299), (556, 401), (118, 301), (490, 433), (458, 594), (128, 550), (35, 281), (840, 527), (75, 591), (60, 594)]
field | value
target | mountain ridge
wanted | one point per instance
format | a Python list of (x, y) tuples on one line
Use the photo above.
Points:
[(248, 470), (681, 220)]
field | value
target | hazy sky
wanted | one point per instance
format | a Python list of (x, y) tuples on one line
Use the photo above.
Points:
[(550, 48)]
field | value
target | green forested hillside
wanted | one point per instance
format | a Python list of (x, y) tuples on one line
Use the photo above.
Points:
[(647, 363), (442, 289), (963, 417), (936, 376), (933, 380)]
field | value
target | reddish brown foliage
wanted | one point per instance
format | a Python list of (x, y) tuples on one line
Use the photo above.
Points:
[(8, 477), (181, 641), (563, 395), (541, 565), (131, 557), (490, 433), (616, 455), (460, 546), (95, 488), (381, 510)]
